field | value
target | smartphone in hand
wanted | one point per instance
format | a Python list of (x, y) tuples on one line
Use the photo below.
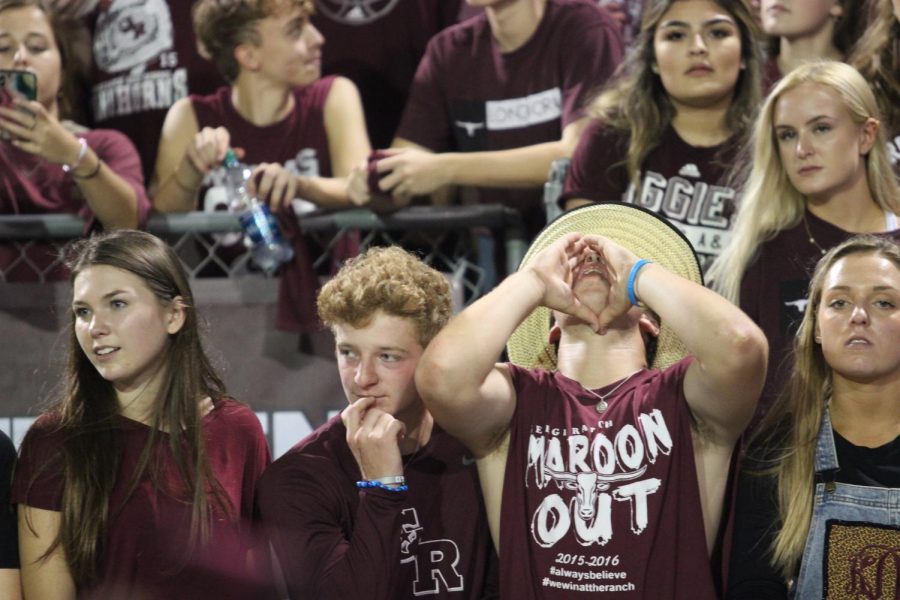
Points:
[(16, 84)]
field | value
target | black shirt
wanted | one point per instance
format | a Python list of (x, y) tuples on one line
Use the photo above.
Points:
[(9, 545), (873, 467)]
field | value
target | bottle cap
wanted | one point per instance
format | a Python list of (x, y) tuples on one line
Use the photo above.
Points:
[(231, 159)]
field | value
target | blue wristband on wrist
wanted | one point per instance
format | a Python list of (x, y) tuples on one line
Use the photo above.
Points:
[(377, 484), (632, 276)]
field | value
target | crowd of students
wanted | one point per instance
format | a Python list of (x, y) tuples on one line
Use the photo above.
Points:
[(702, 392)]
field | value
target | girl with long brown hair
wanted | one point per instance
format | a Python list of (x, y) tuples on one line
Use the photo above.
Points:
[(667, 129), (818, 506), (139, 481)]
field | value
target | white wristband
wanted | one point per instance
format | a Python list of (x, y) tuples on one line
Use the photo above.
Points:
[(393, 479), (82, 150)]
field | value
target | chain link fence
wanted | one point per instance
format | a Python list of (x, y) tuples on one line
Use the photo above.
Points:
[(451, 239)]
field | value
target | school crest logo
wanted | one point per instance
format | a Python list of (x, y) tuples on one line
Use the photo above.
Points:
[(355, 12), (131, 33)]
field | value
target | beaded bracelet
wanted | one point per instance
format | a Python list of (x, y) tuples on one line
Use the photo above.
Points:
[(632, 276), (377, 484), (82, 150)]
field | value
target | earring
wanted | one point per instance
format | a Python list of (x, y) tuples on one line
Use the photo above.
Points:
[(655, 68)]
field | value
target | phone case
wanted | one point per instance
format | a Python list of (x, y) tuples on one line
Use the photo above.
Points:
[(17, 84)]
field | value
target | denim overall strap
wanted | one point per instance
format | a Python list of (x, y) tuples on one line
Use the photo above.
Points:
[(837, 504), (826, 453)]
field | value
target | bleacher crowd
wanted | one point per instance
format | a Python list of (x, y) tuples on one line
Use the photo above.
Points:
[(689, 389)]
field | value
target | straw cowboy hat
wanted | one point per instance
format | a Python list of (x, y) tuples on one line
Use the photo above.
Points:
[(646, 234)]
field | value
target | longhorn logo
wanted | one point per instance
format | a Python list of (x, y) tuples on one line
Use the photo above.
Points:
[(470, 126), (800, 305)]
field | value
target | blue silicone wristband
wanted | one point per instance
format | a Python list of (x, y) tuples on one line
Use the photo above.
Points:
[(631, 277), (378, 484)]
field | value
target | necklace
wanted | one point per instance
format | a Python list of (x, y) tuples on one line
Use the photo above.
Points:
[(889, 225), (602, 405), (809, 234)]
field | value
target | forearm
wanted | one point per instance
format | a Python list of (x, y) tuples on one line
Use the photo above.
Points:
[(10, 584), (327, 192), (176, 191), (45, 573), (328, 564), (719, 335), (519, 167), (112, 200)]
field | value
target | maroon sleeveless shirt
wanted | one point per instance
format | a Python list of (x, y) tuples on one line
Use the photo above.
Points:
[(299, 142), (602, 502)]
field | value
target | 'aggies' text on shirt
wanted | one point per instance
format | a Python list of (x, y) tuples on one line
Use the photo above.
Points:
[(702, 212)]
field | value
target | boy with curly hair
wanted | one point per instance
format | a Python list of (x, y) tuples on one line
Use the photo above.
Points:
[(379, 502)]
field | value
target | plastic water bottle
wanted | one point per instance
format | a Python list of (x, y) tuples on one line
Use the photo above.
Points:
[(261, 233)]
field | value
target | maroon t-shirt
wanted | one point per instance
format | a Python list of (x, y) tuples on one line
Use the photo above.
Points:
[(145, 59), (143, 551), (30, 185), (684, 183), (602, 503), (335, 541), (299, 142), (468, 96), (378, 45), (774, 293)]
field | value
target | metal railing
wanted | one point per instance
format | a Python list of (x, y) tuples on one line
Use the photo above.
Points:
[(442, 235)]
